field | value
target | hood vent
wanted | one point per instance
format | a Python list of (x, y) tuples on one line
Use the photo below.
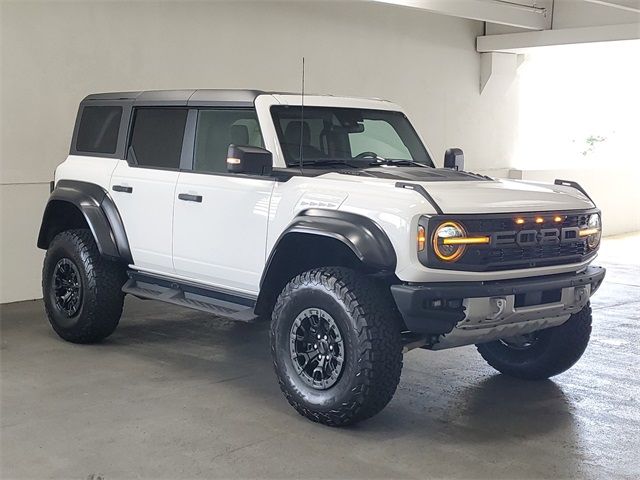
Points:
[(418, 174)]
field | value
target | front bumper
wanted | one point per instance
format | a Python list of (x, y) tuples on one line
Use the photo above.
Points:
[(436, 308)]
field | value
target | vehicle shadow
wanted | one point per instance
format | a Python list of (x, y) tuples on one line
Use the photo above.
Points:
[(492, 408), (470, 408)]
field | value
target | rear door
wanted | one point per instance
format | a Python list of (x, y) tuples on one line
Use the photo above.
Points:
[(143, 186), (220, 219)]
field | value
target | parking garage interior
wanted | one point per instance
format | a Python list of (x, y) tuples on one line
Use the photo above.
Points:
[(529, 90)]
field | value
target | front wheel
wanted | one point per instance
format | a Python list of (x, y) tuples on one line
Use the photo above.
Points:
[(336, 346), (541, 354)]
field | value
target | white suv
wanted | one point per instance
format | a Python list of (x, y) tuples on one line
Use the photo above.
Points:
[(326, 215)]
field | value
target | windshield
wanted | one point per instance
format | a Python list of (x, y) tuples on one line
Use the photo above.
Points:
[(356, 137)]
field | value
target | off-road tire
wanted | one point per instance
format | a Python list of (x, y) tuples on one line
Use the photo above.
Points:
[(101, 288), (554, 350), (370, 326)]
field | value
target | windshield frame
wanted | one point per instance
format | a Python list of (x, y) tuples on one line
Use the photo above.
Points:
[(426, 159)]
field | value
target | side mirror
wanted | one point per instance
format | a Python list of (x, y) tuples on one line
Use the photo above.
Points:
[(454, 159), (251, 160)]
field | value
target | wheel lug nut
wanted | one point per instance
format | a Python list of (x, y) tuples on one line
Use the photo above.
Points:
[(315, 345), (325, 337), (319, 337), (331, 347)]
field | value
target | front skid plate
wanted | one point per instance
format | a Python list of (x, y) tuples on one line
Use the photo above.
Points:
[(493, 318)]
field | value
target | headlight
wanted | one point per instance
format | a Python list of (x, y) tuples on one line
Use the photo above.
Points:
[(448, 252), (593, 232)]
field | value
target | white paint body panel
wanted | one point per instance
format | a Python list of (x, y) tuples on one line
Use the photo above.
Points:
[(147, 214), (96, 170), (496, 196), (221, 241)]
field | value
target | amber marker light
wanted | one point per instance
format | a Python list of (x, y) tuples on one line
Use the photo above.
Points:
[(422, 238), (557, 219), (519, 221), (539, 220)]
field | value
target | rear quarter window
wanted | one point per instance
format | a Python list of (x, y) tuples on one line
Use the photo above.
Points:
[(98, 130)]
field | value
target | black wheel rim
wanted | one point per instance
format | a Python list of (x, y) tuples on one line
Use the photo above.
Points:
[(67, 288), (317, 348), (521, 342)]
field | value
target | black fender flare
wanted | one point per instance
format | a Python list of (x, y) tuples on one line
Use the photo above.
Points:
[(364, 237), (99, 212)]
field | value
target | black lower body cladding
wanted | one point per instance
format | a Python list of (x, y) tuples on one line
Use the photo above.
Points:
[(435, 308)]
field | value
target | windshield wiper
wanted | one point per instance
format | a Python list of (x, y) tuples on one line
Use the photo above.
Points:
[(328, 161), (398, 161)]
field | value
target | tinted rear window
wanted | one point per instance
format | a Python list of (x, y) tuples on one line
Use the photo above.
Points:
[(157, 137), (98, 131)]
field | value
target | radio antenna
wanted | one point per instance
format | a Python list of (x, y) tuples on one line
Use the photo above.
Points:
[(302, 119)]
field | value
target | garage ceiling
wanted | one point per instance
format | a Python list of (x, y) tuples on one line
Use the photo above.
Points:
[(529, 15), (528, 24), (629, 5)]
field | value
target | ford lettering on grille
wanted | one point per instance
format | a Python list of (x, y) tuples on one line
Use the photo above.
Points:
[(529, 238)]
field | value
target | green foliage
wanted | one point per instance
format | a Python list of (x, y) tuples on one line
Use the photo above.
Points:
[(592, 141)]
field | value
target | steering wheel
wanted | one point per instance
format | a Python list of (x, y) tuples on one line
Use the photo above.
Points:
[(373, 155)]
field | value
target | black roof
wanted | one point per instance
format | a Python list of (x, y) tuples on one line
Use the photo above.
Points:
[(219, 97)]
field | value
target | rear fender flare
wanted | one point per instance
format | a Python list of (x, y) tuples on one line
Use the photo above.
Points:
[(99, 212)]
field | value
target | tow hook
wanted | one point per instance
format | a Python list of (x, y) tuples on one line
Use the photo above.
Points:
[(581, 295), (499, 304)]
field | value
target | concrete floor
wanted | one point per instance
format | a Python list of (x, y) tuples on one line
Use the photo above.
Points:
[(178, 394)]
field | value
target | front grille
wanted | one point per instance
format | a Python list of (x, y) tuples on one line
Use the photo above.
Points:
[(517, 257), (505, 223), (514, 256)]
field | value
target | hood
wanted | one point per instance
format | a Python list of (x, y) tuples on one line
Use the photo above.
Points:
[(464, 192)]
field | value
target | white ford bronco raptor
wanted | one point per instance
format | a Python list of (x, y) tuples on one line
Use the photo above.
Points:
[(327, 216)]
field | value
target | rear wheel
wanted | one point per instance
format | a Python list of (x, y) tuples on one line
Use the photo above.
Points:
[(82, 290), (541, 354), (336, 347)]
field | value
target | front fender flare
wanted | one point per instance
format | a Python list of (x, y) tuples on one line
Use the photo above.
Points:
[(364, 237)]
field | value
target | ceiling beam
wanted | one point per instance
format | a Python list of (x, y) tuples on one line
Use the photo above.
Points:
[(628, 5), (493, 11), (521, 42)]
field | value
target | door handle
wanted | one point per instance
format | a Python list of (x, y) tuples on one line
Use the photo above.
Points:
[(187, 197), (122, 188)]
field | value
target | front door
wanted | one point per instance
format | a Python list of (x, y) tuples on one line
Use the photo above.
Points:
[(220, 219)]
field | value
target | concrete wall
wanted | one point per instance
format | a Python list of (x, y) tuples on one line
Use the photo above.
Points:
[(55, 53), (602, 76), (614, 190)]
